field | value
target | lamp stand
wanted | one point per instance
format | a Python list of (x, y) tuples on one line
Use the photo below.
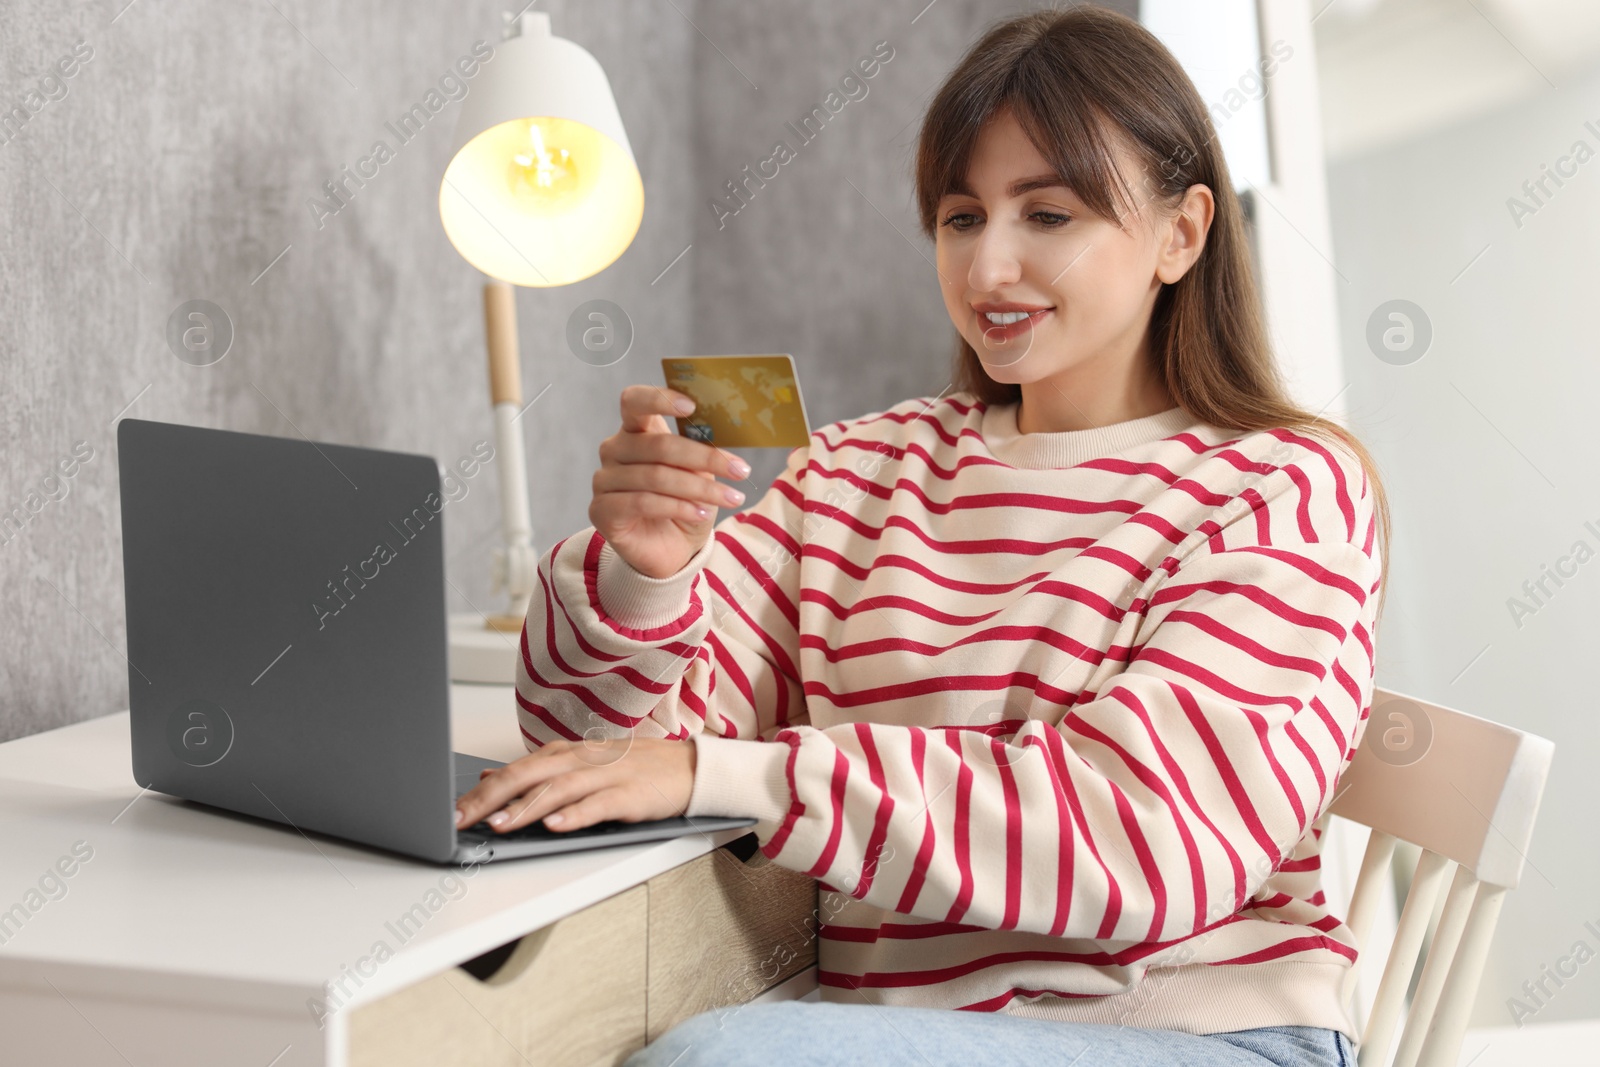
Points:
[(485, 648)]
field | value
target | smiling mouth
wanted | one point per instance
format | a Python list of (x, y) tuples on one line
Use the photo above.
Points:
[(1003, 331)]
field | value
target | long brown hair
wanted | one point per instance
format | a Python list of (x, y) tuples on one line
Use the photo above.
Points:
[(1074, 79)]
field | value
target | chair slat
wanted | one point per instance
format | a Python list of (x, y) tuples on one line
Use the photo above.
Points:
[(1378, 1033), (1443, 1043), (1370, 883), (1441, 958)]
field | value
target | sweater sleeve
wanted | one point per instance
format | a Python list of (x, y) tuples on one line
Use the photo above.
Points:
[(709, 651), (1147, 811)]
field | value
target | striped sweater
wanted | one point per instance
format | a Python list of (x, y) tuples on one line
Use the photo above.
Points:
[(1051, 717)]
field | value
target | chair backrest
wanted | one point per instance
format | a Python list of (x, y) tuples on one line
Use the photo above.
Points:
[(1465, 791)]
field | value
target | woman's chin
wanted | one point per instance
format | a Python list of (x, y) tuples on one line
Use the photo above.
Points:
[(1006, 363)]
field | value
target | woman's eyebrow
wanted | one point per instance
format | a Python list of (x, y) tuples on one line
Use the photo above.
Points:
[(1018, 187)]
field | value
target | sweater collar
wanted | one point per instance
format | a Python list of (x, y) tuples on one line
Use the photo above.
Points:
[(1067, 448)]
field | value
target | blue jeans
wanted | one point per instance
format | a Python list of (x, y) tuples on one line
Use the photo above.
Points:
[(826, 1034)]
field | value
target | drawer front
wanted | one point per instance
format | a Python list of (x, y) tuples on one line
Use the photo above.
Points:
[(723, 930), (570, 995)]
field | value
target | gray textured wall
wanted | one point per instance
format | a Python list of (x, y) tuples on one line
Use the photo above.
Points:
[(179, 161), (179, 164)]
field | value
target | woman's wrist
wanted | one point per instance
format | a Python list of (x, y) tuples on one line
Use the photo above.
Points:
[(740, 778), (639, 601)]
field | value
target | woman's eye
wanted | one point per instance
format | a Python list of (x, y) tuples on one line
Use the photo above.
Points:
[(1050, 220)]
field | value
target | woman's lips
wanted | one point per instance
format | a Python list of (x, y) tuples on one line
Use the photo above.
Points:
[(996, 334)]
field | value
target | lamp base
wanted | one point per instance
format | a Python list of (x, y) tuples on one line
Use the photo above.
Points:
[(482, 653)]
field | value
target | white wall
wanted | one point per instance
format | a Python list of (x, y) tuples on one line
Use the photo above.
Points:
[(1489, 445)]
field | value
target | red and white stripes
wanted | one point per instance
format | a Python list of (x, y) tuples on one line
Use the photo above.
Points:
[(1043, 732)]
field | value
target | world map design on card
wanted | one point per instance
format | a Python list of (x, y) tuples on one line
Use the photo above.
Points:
[(740, 401)]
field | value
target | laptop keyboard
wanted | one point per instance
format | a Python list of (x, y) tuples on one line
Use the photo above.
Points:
[(538, 830)]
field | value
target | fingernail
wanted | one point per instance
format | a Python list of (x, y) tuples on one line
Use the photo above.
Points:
[(740, 467), (683, 405), (497, 818), (733, 496), (461, 817), (552, 820)]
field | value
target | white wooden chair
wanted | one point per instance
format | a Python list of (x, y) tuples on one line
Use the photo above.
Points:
[(1465, 791)]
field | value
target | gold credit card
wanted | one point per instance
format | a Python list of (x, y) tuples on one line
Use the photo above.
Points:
[(740, 401)]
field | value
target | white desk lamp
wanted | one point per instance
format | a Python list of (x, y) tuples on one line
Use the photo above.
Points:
[(541, 190)]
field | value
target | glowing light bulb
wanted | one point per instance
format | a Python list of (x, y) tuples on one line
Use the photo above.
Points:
[(541, 200), (544, 176)]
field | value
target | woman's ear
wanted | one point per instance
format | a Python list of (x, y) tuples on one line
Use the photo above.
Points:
[(1186, 234)]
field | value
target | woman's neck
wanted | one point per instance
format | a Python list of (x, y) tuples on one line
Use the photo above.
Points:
[(1048, 406)]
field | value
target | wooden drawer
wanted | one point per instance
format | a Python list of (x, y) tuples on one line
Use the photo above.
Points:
[(569, 995), (724, 928)]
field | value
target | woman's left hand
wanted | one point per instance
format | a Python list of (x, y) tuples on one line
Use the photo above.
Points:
[(573, 784)]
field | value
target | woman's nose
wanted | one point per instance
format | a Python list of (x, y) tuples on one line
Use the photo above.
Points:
[(995, 262)]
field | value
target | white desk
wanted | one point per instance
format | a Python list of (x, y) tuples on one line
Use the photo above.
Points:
[(197, 938)]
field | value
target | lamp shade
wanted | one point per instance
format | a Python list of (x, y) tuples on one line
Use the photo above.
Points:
[(541, 188)]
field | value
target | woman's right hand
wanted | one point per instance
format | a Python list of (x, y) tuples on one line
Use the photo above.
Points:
[(655, 494)]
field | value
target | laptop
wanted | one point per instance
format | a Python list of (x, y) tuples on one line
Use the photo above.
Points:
[(287, 644)]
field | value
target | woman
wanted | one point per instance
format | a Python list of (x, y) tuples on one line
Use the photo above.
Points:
[(1046, 679)]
